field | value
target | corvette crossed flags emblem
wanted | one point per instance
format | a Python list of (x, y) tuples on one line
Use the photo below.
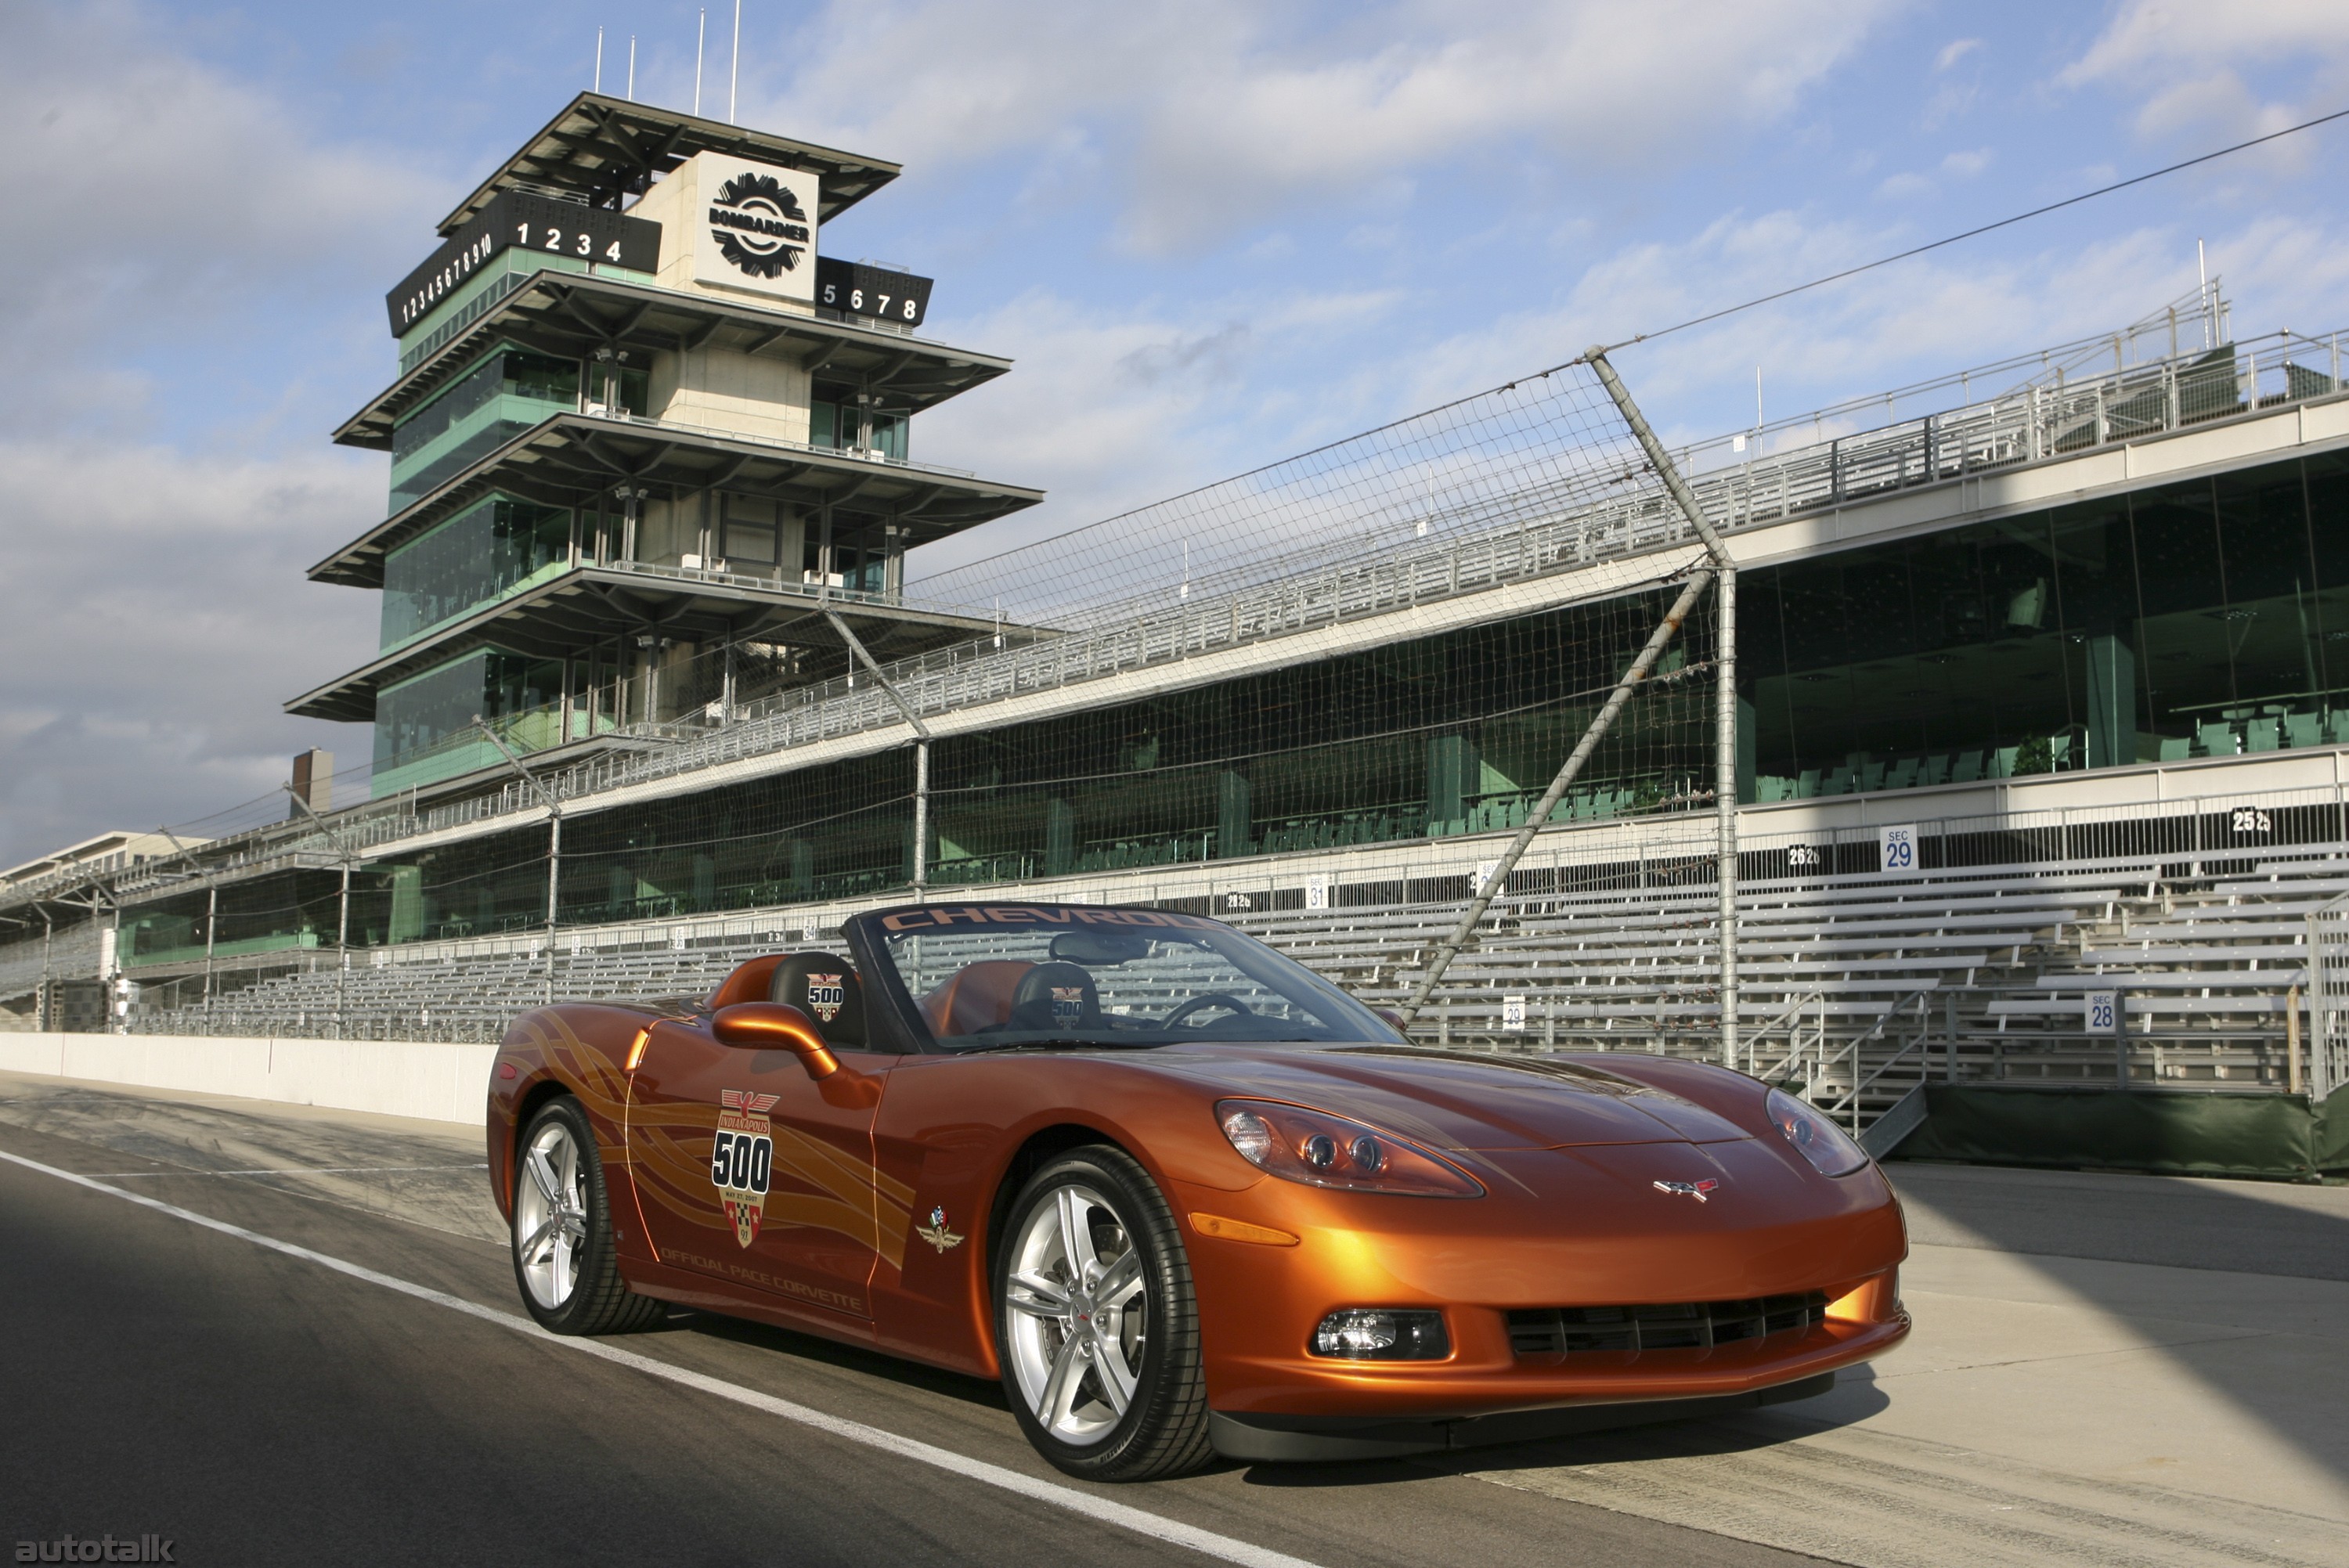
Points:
[(1696, 1190)]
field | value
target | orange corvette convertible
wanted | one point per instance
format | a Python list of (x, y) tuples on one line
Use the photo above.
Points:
[(1184, 1196)]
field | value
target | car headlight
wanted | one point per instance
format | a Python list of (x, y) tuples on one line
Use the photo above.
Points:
[(1827, 1146), (1324, 1151)]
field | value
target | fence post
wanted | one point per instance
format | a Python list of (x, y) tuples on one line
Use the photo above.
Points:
[(2291, 1039), (2121, 1040), (211, 928), (2322, 1005)]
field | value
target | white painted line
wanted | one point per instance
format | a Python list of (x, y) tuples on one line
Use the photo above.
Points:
[(295, 1170), (1207, 1542)]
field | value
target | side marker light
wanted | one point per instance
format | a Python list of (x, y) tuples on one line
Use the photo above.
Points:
[(637, 1051), (1241, 1231)]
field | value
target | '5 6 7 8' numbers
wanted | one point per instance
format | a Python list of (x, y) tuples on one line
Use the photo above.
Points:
[(906, 307), (743, 1161), (562, 245)]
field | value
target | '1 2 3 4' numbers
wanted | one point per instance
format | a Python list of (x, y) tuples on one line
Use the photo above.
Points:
[(576, 246)]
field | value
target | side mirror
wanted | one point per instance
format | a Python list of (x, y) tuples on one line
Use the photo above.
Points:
[(773, 1026)]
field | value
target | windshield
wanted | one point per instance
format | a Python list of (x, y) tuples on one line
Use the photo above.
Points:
[(996, 975)]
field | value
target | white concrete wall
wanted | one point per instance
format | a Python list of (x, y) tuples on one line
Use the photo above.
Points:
[(724, 390), (422, 1078)]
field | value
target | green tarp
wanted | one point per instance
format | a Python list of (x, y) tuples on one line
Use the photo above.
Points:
[(2278, 1136)]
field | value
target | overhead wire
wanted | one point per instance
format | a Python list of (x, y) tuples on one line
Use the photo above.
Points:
[(1972, 233)]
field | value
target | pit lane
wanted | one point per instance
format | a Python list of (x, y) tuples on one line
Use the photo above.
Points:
[(258, 1404)]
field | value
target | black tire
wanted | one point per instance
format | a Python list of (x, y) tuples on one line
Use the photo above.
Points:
[(1163, 1430), (571, 1281)]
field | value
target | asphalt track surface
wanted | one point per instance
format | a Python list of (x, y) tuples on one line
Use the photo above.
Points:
[(254, 1404)]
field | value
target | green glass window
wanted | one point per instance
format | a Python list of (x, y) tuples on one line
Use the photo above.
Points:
[(2186, 621), (467, 560), (2183, 622), (438, 706), (508, 391), (833, 422)]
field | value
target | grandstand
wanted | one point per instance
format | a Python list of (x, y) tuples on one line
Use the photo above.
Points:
[(1858, 986), (2067, 620)]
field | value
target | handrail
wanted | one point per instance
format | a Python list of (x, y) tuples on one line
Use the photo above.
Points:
[(1860, 1084), (1791, 1016)]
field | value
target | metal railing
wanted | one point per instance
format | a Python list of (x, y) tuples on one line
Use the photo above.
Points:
[(2032, 423), (1848, 1103), (2328, 998), (760, 439), (1798, 1041)]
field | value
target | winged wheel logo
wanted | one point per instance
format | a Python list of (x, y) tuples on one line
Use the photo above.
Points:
[(935, 1232)]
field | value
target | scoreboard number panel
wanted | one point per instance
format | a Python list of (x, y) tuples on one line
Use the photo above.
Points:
[(522, 220), (878, 293)]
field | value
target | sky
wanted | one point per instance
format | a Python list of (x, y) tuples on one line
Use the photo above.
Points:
[(1209, 235)]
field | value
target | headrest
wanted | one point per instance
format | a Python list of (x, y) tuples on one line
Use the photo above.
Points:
[(974, 998), (824, 987), (1056, 996)]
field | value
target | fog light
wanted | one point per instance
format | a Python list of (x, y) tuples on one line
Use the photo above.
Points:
[(1378, 1334)]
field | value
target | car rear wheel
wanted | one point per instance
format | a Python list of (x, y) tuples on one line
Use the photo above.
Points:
[(562, 1252), (1096, 1324)]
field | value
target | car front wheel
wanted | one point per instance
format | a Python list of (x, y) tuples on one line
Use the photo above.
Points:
[(1097, 1325), (562, 1252)]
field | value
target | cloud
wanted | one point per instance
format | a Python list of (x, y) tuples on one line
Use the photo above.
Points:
[(2259, 70), (1953, 51), (2159, 36), (148, 195), (1215, 115), (1904, 187), (1925, 317), (1113, 412), (152, 613), (1966, 165), (2218, 106), (1950, 101), (152, 619), (1109, 410)]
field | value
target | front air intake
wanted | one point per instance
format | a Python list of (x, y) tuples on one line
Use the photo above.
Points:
[(1554, 1332)]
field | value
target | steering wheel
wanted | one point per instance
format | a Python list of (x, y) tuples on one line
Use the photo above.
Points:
[(1230, 1004)]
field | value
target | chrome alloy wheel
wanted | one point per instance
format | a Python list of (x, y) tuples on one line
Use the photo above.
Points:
[(549, 1216), (1077, 1320)]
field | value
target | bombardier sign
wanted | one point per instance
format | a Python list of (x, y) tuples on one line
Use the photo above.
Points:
[(754, 226)]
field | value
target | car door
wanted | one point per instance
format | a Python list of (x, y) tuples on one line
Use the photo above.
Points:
[(750, 1171)]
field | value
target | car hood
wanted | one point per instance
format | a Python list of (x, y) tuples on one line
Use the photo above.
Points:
[(1458, 1099)]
